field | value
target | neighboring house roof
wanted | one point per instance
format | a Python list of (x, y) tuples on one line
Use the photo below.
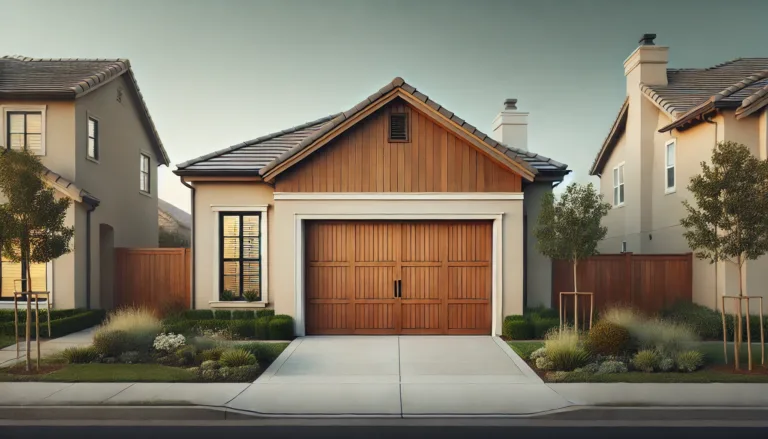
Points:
[(691, 94), (70, 78), (70, 189), (261, 155), (183, 218)]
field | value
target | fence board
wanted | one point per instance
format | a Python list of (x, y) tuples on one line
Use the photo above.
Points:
[(152, 277), (647, 283)]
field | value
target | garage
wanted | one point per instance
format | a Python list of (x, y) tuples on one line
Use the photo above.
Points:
[(398, 277)]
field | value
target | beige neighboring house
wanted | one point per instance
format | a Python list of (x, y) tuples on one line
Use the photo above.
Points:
[(669, 124), (394, 217), (89, 124)]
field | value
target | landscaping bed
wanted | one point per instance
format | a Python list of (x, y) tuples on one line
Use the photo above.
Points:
[(133, 345)]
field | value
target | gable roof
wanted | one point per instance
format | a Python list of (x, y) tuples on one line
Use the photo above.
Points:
[(182, 217), (70, 78), (617, 129), (264, 154)]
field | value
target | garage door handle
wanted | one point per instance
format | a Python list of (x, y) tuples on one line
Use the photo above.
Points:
[(400, 288), (395, 288)]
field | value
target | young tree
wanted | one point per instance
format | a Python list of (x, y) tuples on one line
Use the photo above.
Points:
[(569, 228), (32, 219)]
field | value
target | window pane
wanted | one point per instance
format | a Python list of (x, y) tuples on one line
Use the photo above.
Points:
[(251, 283), (232, 283), (621, 174), (91, 128), (16, 123), (34, 141), (671, 177), (17, 141), (231, 248), (615, 195), (143, 182), (671, 154), (251, 247), (34, 123), (615, 177), (231, 268), (39, 277), (621, 193), (231, 225), (250, 225), (91, 148), (10, 272), (144, 163)]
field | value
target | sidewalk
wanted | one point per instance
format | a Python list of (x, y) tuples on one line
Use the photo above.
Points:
[(47, 347)]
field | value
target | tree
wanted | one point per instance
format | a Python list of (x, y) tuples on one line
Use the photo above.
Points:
[(172, 239), (32, 226), (569, 228)]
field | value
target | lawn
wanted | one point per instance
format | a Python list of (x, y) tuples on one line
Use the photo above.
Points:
[(713, 354), (6, 340), (115, 373)]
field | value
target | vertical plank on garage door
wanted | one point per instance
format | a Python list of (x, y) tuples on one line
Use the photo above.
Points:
[(375, 263), (469, 277), (327, 278), (420, 273)]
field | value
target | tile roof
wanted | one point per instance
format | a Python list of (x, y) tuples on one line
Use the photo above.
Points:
[(69, 78), (258, 156), (182, 217), (69, 188)]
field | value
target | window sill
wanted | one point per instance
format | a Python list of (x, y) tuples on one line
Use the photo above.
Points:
[(238, 304), (146, 194), (92, 160), (618, 206), (670, 191)]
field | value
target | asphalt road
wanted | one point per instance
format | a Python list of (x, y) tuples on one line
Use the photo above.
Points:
[(373, 432)]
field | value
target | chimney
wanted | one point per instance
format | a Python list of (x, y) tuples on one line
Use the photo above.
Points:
[(647, 64), (510, 127)]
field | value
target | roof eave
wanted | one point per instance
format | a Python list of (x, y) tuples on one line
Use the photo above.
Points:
[(617, 129), (216, 173)]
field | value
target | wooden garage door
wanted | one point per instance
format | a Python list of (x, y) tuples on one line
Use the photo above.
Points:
[(398, 277)]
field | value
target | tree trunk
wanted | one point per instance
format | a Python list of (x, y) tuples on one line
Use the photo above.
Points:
[(575, 285)]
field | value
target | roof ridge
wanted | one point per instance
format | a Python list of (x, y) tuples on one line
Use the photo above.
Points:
[(725, 63), (256, 140), (32, 59)]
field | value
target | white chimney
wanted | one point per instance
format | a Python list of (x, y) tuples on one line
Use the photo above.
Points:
[(511, 126)]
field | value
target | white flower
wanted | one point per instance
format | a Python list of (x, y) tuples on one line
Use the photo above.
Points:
[(169, 342)]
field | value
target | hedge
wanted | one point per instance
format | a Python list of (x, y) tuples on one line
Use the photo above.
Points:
[(281, 327), (75, 322), (707, 323), (6, 315), (533, 324), (222, 314), (262, 327), (198, 314), (517, 329), (265, 313), (243, 314)]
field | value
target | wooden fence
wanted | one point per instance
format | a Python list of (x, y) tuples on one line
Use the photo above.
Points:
[(647, 283), (157, 278)]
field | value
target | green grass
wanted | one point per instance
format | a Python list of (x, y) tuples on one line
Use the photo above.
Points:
[(525, 348), (97, 372), (713, 352), (703, 376), (6, 340)]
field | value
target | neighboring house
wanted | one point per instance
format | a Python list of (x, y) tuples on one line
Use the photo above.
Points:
[(669, 124), (173, 220), (394, 217), (89, 124)]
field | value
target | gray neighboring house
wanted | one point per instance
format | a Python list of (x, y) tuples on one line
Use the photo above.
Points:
[(174, 220), (88, 122)]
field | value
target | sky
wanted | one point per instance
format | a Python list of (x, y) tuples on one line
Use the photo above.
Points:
[(215, 73)]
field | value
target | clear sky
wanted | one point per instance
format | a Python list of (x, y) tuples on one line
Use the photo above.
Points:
[(215, 73)]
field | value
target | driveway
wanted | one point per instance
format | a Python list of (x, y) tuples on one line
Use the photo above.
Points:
[(398, 376)]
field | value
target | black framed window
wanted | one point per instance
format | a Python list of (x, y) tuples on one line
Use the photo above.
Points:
[(144, 173), (93, 138), (25, 130), (239, 255)]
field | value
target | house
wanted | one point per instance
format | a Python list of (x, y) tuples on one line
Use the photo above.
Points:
[(394, 217), (174, 221), (668, 124), (89, 124)]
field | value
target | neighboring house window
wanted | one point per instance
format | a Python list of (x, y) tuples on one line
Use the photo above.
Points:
[(144, 174), (623, 246), (240, 255), (669, 176), (618, 185), (93, 138), (13, 272), (25, 130)]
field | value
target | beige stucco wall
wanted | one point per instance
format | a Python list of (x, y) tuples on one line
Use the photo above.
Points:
[(615, 221), (538, 267), (282, 256)]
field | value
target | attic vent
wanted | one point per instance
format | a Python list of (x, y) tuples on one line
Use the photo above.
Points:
[(398, 127)]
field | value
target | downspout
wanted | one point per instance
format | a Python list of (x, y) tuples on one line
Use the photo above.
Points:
[(92, 204), (709, 120), (192, 242)]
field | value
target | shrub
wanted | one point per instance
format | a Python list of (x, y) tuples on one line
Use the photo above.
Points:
[(209, 365), (63, 322), (524, 350), (236, 358), (224, 373), (198, 314), (689, 361), (607, 338), (242, 328), (646, 360), (539, 353), (186, 355), (705, 322), (111, 343), (265, 313), (543, 313), (612, 366), (542, 326), (544, 363), (590, 368), (515, 317), (140, 325), (213, 354), (251, 295), (227, 296), (517, 329), (243, 314), (558, 376), (178, 326), (213, 328), (665, 337), (666, 364), (79, 355), (564, 350), (222, 314), (130, 357), (262, 327), (625, 317), (264, 352), (281, 328), (243, 373), (169, 342), (202, 343)]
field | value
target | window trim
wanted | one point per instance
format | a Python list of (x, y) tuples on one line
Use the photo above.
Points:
[(24, 109), (407, 127), (264, 255), (667, 188), (143, 155), (97, 139), (618, 168)]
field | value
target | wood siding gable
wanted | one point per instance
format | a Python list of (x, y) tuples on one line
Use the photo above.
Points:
[(434, 159)]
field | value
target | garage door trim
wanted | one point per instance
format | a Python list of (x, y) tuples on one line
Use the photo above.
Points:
[(496, 258)]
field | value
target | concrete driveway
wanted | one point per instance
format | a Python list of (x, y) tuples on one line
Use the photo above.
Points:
[(398, 376)]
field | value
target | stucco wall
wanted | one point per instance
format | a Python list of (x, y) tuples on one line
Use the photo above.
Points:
[(537, 266), (615, 220)]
